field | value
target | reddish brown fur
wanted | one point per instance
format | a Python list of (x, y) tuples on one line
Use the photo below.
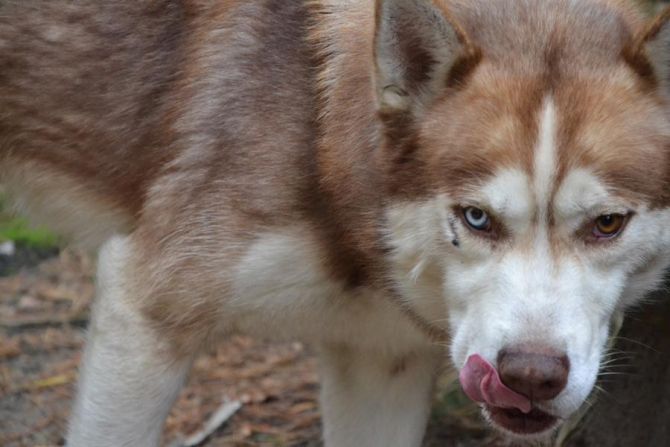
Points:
[(213, 121), (57, 104)]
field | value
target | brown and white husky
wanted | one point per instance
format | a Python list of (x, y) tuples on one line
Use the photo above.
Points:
[(382, 179)]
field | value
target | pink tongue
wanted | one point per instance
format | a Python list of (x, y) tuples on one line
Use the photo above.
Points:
[(481, 383)]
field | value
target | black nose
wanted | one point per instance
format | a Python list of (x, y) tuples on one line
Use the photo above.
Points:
[(537, 374)]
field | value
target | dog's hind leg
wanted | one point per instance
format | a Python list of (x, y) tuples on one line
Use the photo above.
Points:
[(371, 400), (130, 374)]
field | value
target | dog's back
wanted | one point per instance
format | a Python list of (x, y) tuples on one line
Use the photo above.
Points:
[(99, 101), (83, 99)]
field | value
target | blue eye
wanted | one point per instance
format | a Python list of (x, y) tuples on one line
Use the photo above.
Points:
[(477, 219)]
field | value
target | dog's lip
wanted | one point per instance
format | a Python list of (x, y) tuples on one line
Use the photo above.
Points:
[(532, 423)]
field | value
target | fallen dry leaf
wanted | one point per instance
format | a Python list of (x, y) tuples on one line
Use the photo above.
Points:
[(9, 348), (58, 380)]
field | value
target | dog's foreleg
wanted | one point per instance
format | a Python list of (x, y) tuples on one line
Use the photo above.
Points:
[(373, 401), (130, 376)]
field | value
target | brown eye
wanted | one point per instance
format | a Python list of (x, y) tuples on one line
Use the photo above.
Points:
[(608, 225)]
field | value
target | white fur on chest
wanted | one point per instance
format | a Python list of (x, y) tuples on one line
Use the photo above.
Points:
[(282, 289)]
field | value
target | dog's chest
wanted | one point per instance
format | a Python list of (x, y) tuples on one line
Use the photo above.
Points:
[(282, 289)]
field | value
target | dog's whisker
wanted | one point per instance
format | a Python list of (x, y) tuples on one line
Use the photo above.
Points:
[(638, 343), (613, 373)]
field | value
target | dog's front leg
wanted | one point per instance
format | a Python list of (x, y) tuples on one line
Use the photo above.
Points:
[(130, 375), (372, 400)]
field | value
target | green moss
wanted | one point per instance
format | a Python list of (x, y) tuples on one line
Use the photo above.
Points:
[(18, 230)]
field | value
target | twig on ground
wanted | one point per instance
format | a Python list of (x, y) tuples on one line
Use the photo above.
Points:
[(78, 319), (218, 418)]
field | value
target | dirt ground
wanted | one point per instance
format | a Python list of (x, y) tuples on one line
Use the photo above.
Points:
[(43, 315)]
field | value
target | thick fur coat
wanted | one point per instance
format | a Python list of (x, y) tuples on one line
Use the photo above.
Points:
[(395, 181)]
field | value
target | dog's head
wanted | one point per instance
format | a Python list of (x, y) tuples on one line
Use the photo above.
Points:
[(528, 154)]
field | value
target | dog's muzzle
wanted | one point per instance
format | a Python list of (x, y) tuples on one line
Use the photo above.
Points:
[(510, 392)]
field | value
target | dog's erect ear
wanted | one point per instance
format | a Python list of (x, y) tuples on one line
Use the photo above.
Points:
[(418, 49), (651, 52)]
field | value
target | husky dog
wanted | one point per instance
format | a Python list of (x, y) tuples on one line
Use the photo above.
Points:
[(381, 179)]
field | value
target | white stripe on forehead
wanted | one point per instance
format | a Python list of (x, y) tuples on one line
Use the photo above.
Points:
[(545, 162), (514, 195)]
